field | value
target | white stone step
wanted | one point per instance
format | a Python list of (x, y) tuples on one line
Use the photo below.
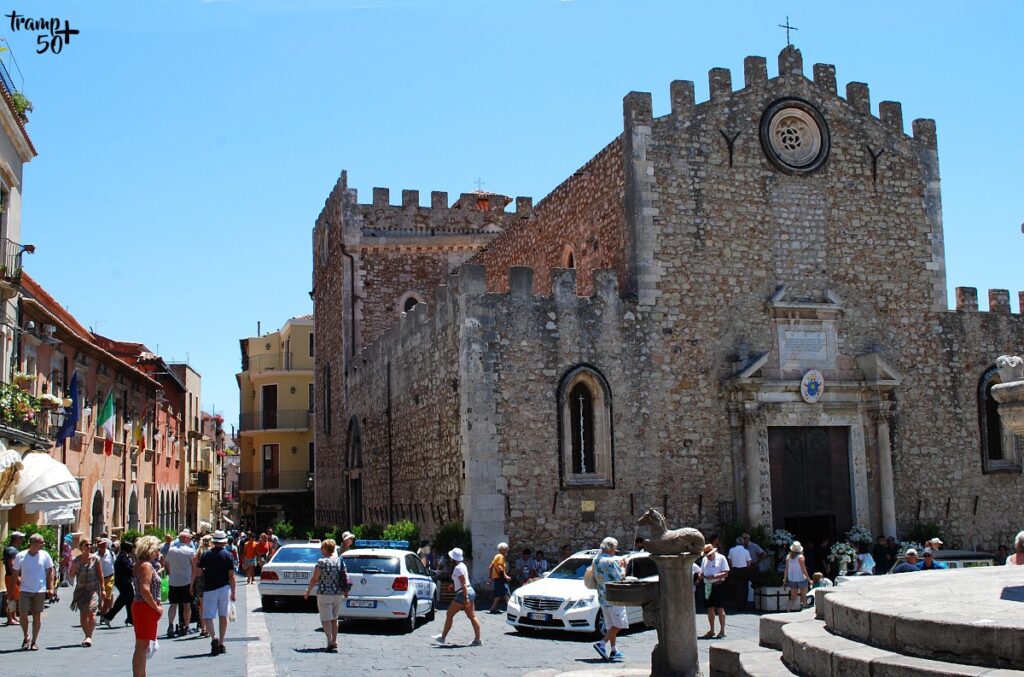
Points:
[(961, 616), (744, 658), (770, 626), (813, 651)]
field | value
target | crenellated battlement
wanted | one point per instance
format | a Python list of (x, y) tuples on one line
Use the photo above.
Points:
[(427, 323), (637, 105), (998, 300)]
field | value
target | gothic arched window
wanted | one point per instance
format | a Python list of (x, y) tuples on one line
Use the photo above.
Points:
[(1000, 448), (353, 471), (585, 424), (568, 257)]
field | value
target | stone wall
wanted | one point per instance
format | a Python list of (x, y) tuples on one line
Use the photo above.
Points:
[(404, 398), (583, 215)]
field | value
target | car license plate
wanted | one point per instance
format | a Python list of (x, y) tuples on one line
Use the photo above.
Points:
[(538, 617), (362, 604), (296, 575)]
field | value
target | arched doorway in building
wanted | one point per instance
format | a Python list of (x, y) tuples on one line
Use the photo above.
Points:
[(97, 513), (133, 510)]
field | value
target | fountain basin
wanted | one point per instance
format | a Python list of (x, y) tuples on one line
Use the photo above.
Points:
[(636, 593)]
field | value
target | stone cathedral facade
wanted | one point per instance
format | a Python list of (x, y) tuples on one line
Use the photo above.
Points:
[(735, 311)]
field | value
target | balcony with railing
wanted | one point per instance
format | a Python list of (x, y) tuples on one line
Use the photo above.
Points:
[(282, 361), (27, 419), (287, 480), (273, 419), (10, 266)]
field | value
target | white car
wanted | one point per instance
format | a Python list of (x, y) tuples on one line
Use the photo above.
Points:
[(388, 583), (288, 571), (560, 600)]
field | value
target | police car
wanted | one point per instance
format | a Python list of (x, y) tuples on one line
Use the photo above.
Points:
[(389, 583), (288, 571), (560, 600)]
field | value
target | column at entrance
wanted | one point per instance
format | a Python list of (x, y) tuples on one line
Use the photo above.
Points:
[(888, 498), (758, 465)]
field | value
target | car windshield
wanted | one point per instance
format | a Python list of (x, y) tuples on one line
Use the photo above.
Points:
[(296, 556), (572, 568), (369, 564)]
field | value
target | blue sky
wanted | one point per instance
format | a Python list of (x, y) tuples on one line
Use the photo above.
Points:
[(186, 147)]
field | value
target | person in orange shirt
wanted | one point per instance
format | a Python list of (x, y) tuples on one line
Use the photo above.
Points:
[(249, 558)]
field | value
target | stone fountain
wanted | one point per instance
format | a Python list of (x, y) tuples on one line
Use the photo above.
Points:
[(668, 602), (1009, 393)]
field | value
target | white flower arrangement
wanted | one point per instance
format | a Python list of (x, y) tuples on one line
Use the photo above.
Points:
[(50, 400), (782, 538), (859, 534), (907, 545), (842, 554)]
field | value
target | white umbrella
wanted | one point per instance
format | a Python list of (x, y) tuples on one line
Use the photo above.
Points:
[(46, 484)]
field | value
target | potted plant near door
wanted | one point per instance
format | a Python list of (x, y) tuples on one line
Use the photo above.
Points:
[(769, 593)]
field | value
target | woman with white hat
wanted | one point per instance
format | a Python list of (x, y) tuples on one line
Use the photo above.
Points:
[(796, 578), (465, 598)]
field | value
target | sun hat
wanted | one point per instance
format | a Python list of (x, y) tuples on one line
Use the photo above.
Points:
[(455, 554), (220, 537), (937, 541), (18, 534), (348, 535), (708, 549), (911, 552), (927, 551), (796, 547)]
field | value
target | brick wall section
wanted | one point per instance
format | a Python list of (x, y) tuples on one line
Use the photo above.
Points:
[(585, 213)]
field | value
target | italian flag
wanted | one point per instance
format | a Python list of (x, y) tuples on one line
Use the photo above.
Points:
[(105, 423)]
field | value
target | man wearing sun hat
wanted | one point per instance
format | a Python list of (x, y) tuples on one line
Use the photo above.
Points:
[(218, 569)]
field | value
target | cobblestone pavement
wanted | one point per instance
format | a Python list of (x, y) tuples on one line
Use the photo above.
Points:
[(288, 641)]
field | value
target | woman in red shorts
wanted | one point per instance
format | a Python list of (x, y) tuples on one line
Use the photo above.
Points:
[(146, 607)]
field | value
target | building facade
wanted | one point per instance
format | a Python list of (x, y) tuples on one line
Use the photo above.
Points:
[(275, 437), (735, 312)]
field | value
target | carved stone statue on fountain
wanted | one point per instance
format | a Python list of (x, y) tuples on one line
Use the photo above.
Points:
[(668, 604), (1009, 392)]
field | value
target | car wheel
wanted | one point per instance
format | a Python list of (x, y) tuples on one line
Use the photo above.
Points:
[(409, 624), (268, 602), (600, 627)]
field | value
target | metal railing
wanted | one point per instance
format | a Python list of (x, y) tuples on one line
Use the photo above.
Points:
[(277, 362), (274, 419), (6, 80), (286, 480), (10, 260)]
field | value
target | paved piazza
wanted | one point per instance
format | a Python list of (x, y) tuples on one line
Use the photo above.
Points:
[(295, 647)]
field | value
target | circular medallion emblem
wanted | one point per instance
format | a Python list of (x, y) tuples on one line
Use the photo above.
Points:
[(794, 136), (811, 386)]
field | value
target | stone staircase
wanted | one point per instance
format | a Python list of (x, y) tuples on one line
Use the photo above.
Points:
[(948, 623)]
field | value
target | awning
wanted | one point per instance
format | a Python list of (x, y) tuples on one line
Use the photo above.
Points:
[(10, 467), (46, 484), (59, 516)]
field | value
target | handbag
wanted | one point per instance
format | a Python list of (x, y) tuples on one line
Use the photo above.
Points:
[(589, 580), (232, 616)]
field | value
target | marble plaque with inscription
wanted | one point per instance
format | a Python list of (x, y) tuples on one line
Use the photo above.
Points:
[(805, 344)]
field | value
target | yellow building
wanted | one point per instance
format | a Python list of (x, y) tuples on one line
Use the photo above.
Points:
[(275, 390)]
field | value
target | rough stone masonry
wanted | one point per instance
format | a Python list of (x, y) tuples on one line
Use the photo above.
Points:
[(669, 312)]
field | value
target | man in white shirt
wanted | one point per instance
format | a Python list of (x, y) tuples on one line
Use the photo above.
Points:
[(106, 556), (34, 568), (742, 567), (714, 572), (179, 566)]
